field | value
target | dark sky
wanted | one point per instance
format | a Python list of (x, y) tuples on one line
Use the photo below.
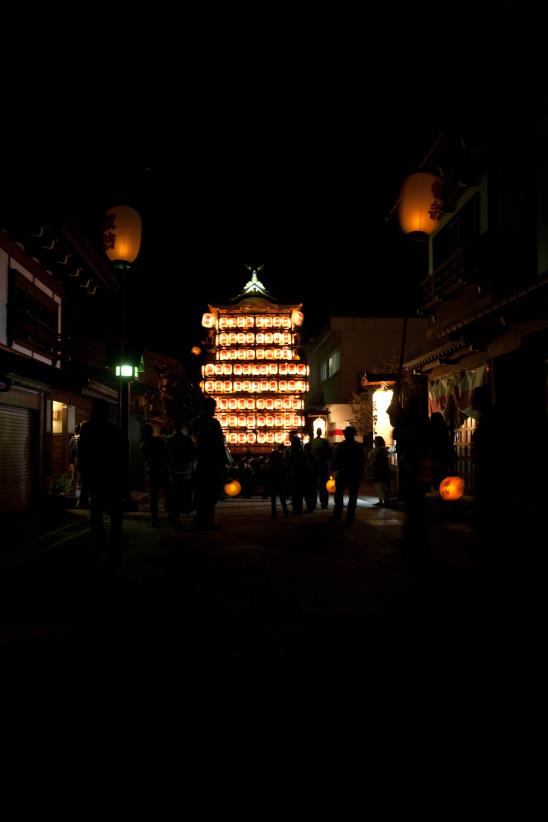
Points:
[(298, 173)]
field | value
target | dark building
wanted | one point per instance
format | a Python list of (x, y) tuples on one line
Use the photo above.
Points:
[(485, 294), (58, 314)]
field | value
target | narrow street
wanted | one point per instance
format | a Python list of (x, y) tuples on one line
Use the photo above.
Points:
[(260, 627)]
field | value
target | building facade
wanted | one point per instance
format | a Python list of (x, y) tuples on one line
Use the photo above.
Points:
[(51, 282), (485, 294), (348, 350)]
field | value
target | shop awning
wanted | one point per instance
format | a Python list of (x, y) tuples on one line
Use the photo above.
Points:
[(434, 356)]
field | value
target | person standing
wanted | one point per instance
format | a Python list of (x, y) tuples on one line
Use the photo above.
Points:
[(73, 459), (322, 452), (101, 462), (378, 459), (491, 463), (298, 471), (211, 464), (181, 460), (276, 480), (155, 453), (441, 449), (414, 445), (349, 467)]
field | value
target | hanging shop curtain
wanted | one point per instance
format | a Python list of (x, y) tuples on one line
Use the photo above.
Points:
[(452, 395)]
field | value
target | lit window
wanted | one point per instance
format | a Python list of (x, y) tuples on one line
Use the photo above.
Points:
[(334, 362)]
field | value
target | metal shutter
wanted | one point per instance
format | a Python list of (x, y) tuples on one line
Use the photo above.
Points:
[(15, 473)]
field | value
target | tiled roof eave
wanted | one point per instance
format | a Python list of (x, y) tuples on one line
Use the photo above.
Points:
[(450, 347)]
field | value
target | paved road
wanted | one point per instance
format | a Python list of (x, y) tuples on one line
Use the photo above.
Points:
[(267, 629)]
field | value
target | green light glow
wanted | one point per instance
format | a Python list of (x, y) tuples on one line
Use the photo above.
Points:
[(127, 371)]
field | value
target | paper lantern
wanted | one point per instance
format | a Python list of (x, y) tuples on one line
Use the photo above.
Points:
[(208, 320), (451, 488), (196, 350), (297, 317), (331, 485), (122, 235), (232, 488), (417, 201)]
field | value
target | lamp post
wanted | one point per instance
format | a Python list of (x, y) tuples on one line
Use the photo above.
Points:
[(419, 209), (122, 240)]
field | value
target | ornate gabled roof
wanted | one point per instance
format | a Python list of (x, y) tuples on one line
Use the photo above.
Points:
[(254, 287), (254, 297)]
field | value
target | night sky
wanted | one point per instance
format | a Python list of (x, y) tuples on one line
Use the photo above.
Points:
[(299, 174)]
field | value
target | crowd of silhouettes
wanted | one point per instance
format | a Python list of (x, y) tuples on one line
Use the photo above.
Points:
[(190, 466)]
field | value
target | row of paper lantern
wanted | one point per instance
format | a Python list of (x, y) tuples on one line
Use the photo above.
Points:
[(259, 438), (259, 403), (284, 369), (295, 319), (268, 321), (254, 386), (261, 420), (261, 338), (254, 354)]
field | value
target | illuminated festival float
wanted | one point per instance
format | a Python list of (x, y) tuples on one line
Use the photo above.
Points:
[(253, 370)]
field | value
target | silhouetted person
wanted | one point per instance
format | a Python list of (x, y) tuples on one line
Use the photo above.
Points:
[(378, 459), (156, 456), (247, 476), (396, 415), (73, 458), (101, 464), (490, 458), (414, 447), (442, 449), (83, 500), (277, 480), (297, 470), (181, 462), (322, 452), (349, 466), (311, 479), (261, 477), (211, 462)]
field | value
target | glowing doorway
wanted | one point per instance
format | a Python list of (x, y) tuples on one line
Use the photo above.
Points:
[(382, 398)]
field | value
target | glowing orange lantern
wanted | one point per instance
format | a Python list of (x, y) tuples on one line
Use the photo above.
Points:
[(208, 320), (122, 235), (196, 350), (452, 488), (232, 488), (297, 317), (331, 485), (417, 201)]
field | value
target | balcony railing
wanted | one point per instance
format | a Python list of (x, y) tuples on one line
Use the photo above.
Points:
[(451, 277)]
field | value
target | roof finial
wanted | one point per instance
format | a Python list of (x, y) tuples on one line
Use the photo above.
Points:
[(254, 285)]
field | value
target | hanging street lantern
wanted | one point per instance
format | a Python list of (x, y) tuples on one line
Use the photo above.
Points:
[(419, 204), (122, 235)]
